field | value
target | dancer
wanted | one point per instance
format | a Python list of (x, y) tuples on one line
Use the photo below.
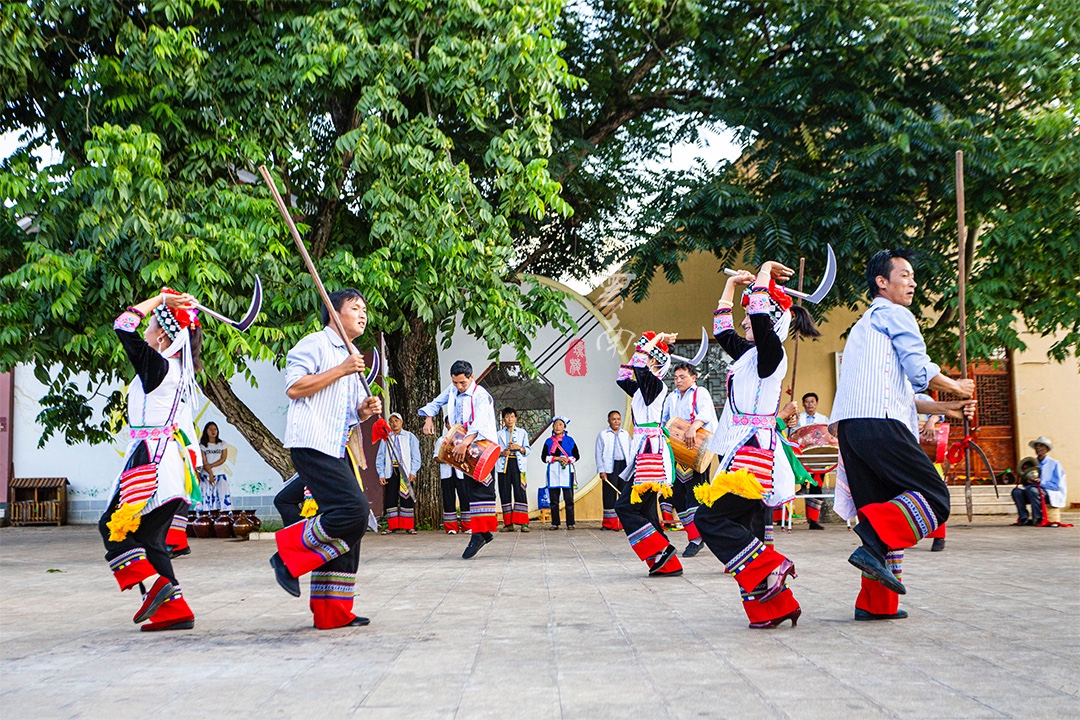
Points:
[(159, 479), (470, 406), (898, 493), (510, 472), (695, 405), (560, 452), (397, 463), (455, 494), (755, 473), (612, 450), (326, 401), (651, 470)]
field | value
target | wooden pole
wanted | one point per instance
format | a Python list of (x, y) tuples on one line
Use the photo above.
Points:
[(961, 254), (284, 210), (795, 359)]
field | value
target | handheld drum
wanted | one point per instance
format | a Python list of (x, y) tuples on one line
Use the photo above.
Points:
[(698, 457), (479, 460)]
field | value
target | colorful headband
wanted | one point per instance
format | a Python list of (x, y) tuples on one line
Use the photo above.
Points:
[(659, 353)]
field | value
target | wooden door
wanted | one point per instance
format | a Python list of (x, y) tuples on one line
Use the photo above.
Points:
[(995, 421)]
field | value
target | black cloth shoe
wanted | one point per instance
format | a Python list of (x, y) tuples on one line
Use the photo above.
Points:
[(475, 543), (938, 546), (284, 578), (669, 552), (355, 622), (173, 554), (875, 567), (871, 541), (692, 549), (815, 525), (866, 615)]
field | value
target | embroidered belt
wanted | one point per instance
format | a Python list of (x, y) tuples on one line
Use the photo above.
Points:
[(151, 432), (649, 429), (761, 421)]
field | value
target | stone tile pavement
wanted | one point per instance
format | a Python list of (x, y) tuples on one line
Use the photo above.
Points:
[(547, 625)]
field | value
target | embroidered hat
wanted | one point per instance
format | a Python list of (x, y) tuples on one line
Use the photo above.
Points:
[(775, 302), (565, 420), (659, 353), (174, 320)]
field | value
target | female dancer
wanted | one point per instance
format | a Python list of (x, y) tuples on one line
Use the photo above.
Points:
[(159, 476), (755, 474)]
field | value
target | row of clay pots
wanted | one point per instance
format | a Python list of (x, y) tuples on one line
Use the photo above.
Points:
[(223, 524)]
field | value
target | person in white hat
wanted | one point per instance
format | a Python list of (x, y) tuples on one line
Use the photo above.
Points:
[(1052, 482)]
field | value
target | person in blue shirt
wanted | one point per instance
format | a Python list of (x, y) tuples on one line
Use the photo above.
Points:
[(1050, 488), (896, 489)]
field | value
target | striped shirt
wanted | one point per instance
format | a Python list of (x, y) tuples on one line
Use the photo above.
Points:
[(321, 421), (884, 363)]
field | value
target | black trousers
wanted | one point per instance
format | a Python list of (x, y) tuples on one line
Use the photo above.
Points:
[(511, 489), (683, 497), (455, 494), (392, 494), (730, 524), (343, 507), (883, 460), (568, 498), (611, 494), (635, 516), (289, 500), (152, 531)]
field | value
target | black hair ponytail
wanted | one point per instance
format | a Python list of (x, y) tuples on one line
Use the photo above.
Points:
[(802, 323)]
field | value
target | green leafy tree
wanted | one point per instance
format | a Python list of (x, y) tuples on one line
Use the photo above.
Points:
[(410, 137), (851, 113)]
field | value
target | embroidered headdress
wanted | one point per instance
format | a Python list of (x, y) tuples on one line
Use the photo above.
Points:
[(659, 353), (773, 301), (177, 324)]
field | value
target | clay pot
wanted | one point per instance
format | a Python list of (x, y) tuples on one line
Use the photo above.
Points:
[(255, 519), (223, 526), (242, 525), (190, 529), (203, 526)]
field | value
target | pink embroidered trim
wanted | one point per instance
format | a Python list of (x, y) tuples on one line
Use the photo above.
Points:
[(625, 373), (152, 433), (128, 322), (638, 360), (762, 421), (759, 304), (722, 321)]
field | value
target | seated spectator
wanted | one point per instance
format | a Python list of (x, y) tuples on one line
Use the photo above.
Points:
[(1052, 481), (1028, 492)]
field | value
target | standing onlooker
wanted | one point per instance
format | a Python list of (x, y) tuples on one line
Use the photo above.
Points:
[(397, 463), (560, 452), (510, 472), (612, 450), (214, 479)]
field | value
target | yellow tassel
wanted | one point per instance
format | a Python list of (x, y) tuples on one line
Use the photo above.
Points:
[(125, 521), (310, 509), (741, 482), (639, 489)]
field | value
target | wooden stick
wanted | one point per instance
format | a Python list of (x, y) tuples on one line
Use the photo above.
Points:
[(961, 261), (334, 317), (795, 359)]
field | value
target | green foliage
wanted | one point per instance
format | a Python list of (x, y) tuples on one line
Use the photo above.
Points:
[(851, 113), (410, 136)]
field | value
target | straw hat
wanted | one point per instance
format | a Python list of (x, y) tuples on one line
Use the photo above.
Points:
[(1041, 440)]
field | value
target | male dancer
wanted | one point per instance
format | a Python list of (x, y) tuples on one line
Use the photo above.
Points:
[(470, 406), (612, 451), (899, 496), (510, 471), (693, 404), (326, 400)]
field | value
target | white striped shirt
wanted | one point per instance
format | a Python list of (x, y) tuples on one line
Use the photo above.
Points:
[(321, 421), (884, 363)]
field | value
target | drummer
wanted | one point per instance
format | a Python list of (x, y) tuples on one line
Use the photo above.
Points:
[(471, 407), (695, 405)]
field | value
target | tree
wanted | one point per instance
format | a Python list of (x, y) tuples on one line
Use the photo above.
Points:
[(411, 138), (851, 113)]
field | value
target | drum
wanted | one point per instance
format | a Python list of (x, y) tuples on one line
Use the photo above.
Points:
[(480, 458), (697, 458), (936, 450), (819, 448)]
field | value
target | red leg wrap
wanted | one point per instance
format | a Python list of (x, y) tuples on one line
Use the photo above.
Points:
[(875, 597), (902, 521), (131, 568), (938, 534), (771, 609), (753, 565), (672, 565), (173, 610), (332, 598), (177, 539), (647, 542), (305, 546)]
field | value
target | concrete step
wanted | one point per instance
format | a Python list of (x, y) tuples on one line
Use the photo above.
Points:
[(983, 501)]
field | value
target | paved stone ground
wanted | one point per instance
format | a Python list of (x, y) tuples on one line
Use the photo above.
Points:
[(547, 625)]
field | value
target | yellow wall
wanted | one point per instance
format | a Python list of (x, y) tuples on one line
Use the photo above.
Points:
[(1047, 397), (1047, 392)]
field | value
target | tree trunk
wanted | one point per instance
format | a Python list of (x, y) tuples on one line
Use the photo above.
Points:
[(240, 417), (413, 365)]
